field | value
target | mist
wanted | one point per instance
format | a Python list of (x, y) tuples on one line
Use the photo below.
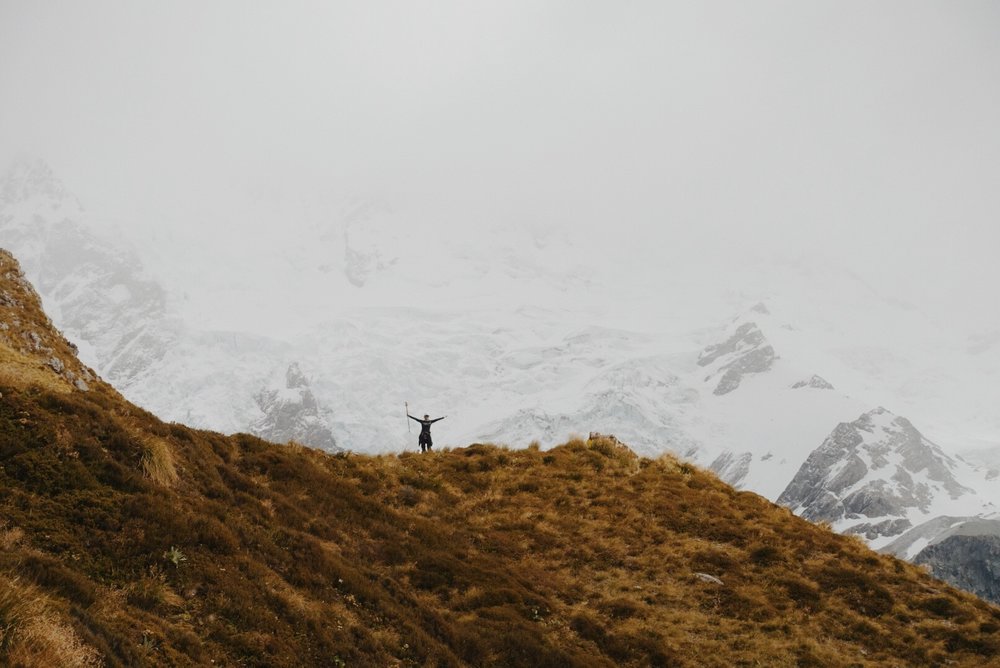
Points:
[(862, 134)]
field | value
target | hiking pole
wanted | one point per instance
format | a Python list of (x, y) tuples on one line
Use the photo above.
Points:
[(407, 404)]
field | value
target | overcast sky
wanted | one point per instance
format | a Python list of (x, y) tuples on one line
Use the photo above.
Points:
[(865, 129)]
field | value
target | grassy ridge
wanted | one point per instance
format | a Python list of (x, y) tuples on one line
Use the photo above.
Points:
[(128, 542)]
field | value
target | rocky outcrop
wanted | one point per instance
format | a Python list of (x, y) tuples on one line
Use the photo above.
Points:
[(874, 470), (100, 290), (26, 329), (816, 382), (746, 351), (963, 551), (732, 467), (291, 413), (871, 531)]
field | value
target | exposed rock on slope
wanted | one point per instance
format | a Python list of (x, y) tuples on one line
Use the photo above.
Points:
[(34, 348), (745, 351), (732, 467)]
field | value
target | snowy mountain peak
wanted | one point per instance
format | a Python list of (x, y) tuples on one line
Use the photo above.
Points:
[(294, 378), (745, 351), (292, 413), (874, 476), (32, 180)]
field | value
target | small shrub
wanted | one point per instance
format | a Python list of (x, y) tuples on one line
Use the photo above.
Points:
[(942, 606), (765, 555), (408, 496), (620, 608), (175, 556)]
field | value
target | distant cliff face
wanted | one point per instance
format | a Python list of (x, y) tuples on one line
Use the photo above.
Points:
[(971, 562)]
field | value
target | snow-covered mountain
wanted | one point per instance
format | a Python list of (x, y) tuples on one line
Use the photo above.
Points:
[(523, 334), (878, 476), (291, 413)]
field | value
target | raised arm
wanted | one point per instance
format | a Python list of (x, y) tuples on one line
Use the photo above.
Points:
[(439, 419), (414, 419)]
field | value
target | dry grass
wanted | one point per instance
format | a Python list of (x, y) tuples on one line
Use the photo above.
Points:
[(20, 370), (33, 635), (158, 461)]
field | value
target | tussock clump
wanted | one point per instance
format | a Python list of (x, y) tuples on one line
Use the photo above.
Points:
[(33, 635), (158, 462)]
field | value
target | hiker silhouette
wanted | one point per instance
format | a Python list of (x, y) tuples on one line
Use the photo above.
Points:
[(425, 431)]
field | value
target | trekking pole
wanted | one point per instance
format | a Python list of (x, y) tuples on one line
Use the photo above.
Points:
[(407, 404)]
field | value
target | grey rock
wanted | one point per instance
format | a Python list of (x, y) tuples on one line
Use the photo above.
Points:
[(869, 469), (293, 414), (710, 579), (732, 467), (816, 382), (963, 551), (745, 351), (884, 528), (971, 563)]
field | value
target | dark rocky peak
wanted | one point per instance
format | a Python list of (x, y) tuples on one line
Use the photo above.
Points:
[(294, 378), (816, 382), (745, 351), (28, 179)]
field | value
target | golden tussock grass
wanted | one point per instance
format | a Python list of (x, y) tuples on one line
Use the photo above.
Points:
[(158, 461), (20, 370), (33, 635)]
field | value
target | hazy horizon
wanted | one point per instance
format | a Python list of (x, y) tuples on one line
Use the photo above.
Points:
[(865, 135)]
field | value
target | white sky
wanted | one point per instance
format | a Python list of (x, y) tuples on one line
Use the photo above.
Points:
[(867, 130)]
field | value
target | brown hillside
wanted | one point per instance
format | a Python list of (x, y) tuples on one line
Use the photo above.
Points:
[(129, 542)]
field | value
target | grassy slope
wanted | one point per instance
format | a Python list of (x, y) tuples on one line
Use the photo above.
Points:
[(132, 542)]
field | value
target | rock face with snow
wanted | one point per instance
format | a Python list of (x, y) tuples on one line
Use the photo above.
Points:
[(732, 467), (97, 290), (868, 475), (291, 413), (745, 351), (970, 562), (816, 382), (964, 551)]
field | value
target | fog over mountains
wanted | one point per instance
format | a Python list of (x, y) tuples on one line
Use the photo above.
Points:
[(765, 245), (786, 399)]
